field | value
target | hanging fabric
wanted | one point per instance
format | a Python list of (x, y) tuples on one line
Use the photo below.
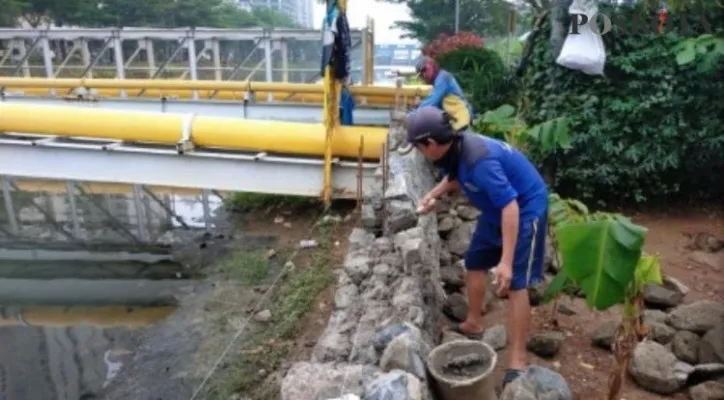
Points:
[(342, 48), (336, 42), (346, 107), (329, 31)]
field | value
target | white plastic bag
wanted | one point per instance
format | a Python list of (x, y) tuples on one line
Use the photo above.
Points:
[(584, 51)]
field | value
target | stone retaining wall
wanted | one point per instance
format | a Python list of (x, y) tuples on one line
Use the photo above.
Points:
[(388, 301)]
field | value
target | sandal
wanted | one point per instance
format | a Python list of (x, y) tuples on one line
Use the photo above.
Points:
[(470, 335), (511, 375)]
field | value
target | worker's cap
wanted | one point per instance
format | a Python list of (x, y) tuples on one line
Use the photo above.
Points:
[(425, 123), (421, 64)]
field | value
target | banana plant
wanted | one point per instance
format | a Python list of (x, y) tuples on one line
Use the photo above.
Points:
[(546, 137), (602, 255)]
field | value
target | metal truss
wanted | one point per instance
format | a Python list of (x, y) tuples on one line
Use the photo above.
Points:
[(18, 45), (135, 163), (81, 218)]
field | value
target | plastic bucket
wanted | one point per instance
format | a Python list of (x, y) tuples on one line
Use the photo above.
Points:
[(477, 386)]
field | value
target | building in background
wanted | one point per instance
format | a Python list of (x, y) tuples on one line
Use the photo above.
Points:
[(396, 54), (299, 11)]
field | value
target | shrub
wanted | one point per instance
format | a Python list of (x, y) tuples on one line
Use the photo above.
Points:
[(483, 76), (446, 43), (649, 130)]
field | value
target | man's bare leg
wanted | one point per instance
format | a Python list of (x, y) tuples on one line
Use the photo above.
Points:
[(518, 326), (475, 285)]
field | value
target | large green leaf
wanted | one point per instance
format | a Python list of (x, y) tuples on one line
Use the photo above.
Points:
[(552, 134), (600, 257), (563, 211), (560, 282)]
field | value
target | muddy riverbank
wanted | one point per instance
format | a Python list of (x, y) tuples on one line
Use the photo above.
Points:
[(245, 302), (136, 298)]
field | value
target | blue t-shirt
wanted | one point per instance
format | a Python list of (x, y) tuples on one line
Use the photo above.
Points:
[(494, 177)]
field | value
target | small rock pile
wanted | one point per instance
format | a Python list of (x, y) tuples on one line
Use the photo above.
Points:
[(387, 302), (456, 223), (684, 347)]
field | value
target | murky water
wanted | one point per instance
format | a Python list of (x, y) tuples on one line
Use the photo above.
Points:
[(84, 268)]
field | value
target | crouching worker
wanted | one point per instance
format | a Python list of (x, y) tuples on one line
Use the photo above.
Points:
[(446, 95), (511, 231)]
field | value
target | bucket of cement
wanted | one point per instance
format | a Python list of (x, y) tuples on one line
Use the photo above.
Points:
[(463, 370)]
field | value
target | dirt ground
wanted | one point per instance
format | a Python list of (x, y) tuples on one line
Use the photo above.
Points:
[(586, 368), (296, 226)]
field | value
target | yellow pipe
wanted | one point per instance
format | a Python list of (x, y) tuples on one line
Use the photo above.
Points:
[(116, 316), (59, 187), (169, 84), (311, 98), (229, 133)]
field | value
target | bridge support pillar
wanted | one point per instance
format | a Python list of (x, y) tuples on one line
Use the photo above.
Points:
[(9, 206)]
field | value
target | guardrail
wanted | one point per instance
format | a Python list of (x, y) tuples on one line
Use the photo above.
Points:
[(205, 89)]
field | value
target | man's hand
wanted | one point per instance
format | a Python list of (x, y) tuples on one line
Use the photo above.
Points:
[(426, 205), (503, 274)]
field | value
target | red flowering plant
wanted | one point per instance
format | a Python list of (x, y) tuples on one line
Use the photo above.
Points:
[(444, 43)]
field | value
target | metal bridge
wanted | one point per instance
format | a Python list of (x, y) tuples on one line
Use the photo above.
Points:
[(292, 102), (147, 148), (188, 132), (194, 53)]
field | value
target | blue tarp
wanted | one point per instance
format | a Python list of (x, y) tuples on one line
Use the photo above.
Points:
[(346, 107)]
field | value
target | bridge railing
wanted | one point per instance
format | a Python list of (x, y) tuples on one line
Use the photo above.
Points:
[(272, 55)]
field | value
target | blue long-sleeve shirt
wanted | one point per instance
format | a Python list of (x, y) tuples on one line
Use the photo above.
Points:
[(448, 96)]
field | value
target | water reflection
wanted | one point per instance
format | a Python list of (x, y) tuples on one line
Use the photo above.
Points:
[(86, 213), (70, 358), (84, 267)]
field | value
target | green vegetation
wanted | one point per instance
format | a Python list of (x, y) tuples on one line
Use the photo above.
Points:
[(488, 83), (706, 50), (247, 201), (263, 350), (602, 255), (539, 141), (509, 48), (648, 131), (155, 13), (249, 267), (430, 18)]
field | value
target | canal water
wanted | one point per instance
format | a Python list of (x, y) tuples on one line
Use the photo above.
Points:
[(84, 269)]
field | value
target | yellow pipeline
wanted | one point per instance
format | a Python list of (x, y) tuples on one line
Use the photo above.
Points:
[(227, 133), (310, 98), (208, 85), (59, 187)]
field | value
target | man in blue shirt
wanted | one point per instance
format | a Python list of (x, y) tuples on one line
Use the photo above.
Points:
[(511, 231), (446, 95)]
